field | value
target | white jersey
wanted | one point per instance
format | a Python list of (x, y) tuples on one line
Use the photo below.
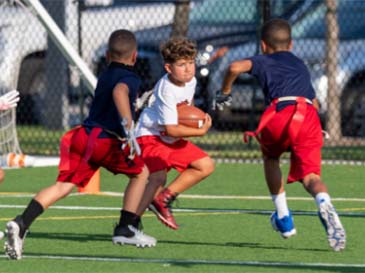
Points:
[(162, 108)]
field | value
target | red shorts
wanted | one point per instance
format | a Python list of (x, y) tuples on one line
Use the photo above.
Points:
[(159, 155), (305, 149), (74, 167)]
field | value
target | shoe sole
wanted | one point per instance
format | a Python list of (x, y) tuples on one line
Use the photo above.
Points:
[(126, 241), (336, 234), (11, 230), (285, 235), (288, 234), (161, 218)]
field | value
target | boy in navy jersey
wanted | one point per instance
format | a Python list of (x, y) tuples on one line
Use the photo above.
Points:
[(103, 140), (289, 123)]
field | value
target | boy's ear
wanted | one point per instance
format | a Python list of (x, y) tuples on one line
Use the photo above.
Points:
[(134, 56), (263, 46), (167, 67), (291, 45)]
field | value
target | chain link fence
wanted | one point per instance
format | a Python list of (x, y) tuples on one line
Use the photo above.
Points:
[(328, 35)]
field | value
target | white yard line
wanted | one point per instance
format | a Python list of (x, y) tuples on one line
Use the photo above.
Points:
[(191, 196), (191, 210), (195, 262)]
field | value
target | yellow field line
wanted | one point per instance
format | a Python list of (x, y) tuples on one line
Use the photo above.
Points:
[(100, 217)]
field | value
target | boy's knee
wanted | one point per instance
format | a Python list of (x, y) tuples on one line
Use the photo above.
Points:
[(268, 158), (158, 178), (208, 166), (312, 176)]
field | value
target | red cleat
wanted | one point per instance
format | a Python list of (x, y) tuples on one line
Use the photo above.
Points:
[(161, 206)]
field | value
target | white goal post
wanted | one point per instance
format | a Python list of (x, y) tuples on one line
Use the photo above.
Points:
[(62, 43), (9, 144)]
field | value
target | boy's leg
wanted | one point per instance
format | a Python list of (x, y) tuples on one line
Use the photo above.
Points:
[(16, 229), (134, 191), (154, 186), (196, 172), (336, 234), (281, 219), (127, 231)]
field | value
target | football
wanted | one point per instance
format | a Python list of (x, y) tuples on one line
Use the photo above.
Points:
[(190, 116)]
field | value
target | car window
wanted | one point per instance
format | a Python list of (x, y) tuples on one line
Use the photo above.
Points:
[(313, 25), (228, 11), (235, 11)]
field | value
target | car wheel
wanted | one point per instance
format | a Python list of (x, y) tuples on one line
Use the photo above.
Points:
[(353, 112), (32, 87)]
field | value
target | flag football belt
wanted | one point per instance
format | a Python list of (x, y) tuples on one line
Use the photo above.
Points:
[(66, 145), (295, 123)]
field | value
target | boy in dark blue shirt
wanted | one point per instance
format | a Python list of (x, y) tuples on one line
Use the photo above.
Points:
[(104, 140), (290, 122)]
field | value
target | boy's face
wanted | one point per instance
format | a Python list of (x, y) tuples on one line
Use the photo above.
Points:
[(181, 71)]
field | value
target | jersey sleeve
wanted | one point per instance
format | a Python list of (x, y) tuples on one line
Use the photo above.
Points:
[(166, 108), (257, 64)]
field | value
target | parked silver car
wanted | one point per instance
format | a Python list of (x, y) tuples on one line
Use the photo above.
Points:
[(23, 42)]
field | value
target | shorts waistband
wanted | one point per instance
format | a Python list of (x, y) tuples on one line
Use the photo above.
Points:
[(291, 98)]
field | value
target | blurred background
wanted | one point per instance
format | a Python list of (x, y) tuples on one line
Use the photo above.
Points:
[(328, 35)]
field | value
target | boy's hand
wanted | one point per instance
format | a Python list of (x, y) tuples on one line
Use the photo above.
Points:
[(131, 140), (221, 100), (9, 100), (207, 123)]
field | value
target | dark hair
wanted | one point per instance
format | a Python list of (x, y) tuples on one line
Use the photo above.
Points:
[(121, 44), (178, 48), (276, 33)]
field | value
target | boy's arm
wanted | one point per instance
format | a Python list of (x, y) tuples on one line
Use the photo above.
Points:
[(121, 100), (232, 73), (184, 131), (223, 97)]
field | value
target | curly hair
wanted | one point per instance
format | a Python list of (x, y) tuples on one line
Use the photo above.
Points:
[(178, 48)]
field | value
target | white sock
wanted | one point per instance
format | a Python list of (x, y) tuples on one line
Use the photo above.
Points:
[(322, 197), (280, 204)]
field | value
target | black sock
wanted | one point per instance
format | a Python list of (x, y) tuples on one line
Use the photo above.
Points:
[(129, 218), (33, 210)]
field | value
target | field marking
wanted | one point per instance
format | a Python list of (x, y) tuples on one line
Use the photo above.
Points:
[(192, 211), (190, 196), (52, 161), (195, 262)]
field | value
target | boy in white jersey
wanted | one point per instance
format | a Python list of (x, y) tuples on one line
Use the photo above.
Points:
[(161, 137)]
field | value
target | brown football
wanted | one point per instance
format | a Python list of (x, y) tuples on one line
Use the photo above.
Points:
[(190, 116)]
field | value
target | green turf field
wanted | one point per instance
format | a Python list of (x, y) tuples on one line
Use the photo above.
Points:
[(224, 226)]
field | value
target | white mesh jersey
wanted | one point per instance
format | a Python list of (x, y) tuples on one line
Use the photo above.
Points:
[(162, 107)]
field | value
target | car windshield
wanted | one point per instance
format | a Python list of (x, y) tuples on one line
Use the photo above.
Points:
[(313, 25), (235, 11)]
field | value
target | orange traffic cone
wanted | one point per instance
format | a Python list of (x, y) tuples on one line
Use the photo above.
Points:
[(93, 187)]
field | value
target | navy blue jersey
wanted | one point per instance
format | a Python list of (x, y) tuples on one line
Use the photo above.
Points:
[(103, 112), (282, 74)]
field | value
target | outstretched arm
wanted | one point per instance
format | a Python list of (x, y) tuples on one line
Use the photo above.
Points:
[(222, 97), (232, 73)]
